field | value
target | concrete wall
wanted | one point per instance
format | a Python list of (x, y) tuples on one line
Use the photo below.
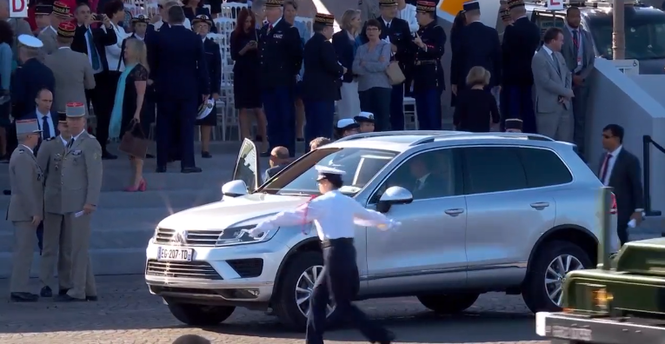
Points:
[(630, 102)]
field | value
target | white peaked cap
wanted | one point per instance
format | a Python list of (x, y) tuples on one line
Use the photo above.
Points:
[(30, 41)]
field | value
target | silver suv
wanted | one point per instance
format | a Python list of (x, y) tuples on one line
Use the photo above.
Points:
[(479, 212)]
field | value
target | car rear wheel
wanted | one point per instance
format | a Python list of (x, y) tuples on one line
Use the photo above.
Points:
[(296, 282), (448, 303), (543, 286), (200, 315)]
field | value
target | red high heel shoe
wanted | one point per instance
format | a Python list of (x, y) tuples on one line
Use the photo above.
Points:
[(143, 185)]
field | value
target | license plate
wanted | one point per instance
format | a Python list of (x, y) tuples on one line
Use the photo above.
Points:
[(572, 333), (174, 254)]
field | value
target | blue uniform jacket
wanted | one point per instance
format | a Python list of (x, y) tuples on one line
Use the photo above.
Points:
[(28, 80), (213, 59)]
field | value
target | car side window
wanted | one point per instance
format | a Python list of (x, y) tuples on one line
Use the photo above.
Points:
[(543, 168), (427, 175), (546, 21), (492, 169)]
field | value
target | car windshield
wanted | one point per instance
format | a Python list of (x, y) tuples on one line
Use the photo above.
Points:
[(645, 36), (360, 165)]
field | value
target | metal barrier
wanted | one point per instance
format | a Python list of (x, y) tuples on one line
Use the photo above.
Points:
[(647, 141)]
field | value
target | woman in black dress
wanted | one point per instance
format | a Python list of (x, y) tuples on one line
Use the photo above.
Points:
[(246, 76), (458, 24), (201, 25), (476, 110), (130, 98)]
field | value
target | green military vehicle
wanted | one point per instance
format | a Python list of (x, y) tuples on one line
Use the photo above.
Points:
[(620, 302)]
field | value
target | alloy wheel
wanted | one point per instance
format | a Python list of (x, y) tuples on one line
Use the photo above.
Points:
[(304, 288), (555, 276)]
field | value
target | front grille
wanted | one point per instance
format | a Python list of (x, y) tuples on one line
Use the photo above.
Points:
[(192, 238), (247, 268), (193, 270)]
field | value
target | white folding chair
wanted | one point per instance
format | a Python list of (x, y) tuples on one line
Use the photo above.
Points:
[(410, 117)]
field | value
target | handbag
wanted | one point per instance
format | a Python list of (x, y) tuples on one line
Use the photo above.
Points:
[(134, 141), (395, 74)]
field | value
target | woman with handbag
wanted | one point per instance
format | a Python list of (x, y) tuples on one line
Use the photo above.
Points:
[(127, 109), (370, 65)]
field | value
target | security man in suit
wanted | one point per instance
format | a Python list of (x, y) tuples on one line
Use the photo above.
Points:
[(57, 241), (280, 53), (428, 82), (73, 73), (181, 81), (26, 207), (321, 82), (47, 33), (397, 32), (520, 41), (478, 45), (81, 180)]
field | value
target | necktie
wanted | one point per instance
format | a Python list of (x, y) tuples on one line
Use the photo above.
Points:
[(387, 25), (71, 143), (46, 128), (94, 55), (556, 63), (269, 28), (576, 41), (603, 169)]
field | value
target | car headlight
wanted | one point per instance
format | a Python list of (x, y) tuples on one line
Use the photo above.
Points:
[(237, 236)]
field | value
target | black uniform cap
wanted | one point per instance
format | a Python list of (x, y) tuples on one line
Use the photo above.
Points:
[(513, 123), (471, 6)]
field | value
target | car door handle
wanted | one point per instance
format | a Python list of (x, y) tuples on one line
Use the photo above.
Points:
[(540, 205), (454, 212)]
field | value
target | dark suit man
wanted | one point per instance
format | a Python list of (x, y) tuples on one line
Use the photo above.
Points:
[(478, 45), (621, 170), (426, 183), (280, 53), (177, 54), (398, 33), (520, 42), (428, 82), (321, 82), (92, 42), (279, 159)]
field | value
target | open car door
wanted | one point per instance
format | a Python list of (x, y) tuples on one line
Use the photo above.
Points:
[(247, 166)]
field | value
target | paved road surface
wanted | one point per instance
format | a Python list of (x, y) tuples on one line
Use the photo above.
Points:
[(127, 313)]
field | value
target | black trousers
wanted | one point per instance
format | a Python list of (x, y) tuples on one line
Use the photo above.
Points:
[(339, 263), (377, 101), (102, 98)]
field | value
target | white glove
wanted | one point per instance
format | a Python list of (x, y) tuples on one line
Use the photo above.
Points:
[(298, 78)]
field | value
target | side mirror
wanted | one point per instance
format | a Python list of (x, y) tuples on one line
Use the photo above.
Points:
[(394, 195), (234, 188)]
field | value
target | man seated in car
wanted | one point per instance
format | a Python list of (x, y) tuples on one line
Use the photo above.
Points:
[(346, 127), (425, 183), (279, 158), (366, 122)]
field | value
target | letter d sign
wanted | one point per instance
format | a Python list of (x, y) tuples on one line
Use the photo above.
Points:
[(18, 9), (554, 5)]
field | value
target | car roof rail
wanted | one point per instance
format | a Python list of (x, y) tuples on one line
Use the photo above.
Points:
[(392, 133), (528, 136)]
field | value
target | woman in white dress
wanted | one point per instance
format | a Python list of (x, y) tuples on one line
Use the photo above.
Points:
[(346, 43)]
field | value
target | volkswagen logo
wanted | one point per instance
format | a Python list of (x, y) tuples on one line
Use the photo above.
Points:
[(179, 238)]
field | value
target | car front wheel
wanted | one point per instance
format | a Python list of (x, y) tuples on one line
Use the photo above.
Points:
[(296, 283), (200, 315), (448, 303), (543, 286)]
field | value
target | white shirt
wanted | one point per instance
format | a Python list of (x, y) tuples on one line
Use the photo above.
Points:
[(408, 13), (114, 51), (333, 213), (421, 181), (64, 141), (51, 124), (549, 52)]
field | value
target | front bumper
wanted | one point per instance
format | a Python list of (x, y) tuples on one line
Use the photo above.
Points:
[(224, 275), (598, 329)]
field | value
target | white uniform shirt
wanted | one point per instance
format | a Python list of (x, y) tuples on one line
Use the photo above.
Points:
[(333, 213), (113, 51), (408, 13)]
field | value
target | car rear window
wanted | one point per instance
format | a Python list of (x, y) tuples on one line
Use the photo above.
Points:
[(543, 168)]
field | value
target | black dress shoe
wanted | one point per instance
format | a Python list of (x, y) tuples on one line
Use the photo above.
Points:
[(67, 298), (108, 156), (7, 192), (149, 156), (63, 291), (206, 155), (46, 292), (192, 169), (160, 169), (91, 298), (23, 297), (300, 139)]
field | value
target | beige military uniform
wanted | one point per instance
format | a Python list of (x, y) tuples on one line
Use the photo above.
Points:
[(57, 237), (73, 75), (27, 200), (48, 37), (81, 180)]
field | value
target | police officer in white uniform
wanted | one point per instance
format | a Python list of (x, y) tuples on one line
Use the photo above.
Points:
[(335, 216)]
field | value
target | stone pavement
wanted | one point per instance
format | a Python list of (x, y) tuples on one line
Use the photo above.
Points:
[(127, 313)]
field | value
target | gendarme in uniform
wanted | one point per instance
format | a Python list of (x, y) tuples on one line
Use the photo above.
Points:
[(57, 235), (81, 180), (26, 207)]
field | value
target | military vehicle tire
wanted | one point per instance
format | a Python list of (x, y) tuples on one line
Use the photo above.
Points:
[(284, 303), (534, 290), (448, 303), (200, 315)]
